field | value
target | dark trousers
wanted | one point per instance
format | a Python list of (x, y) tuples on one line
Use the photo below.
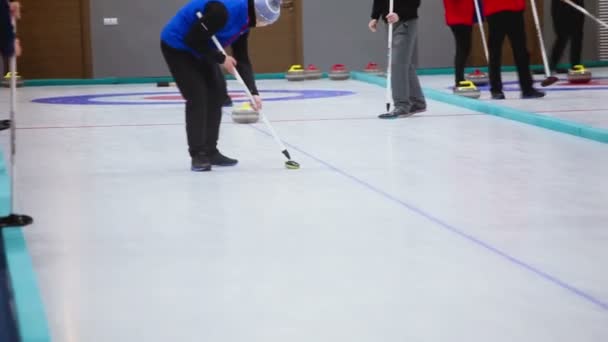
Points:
[(462, 37), (407, 92), (203, 86), (509, 24), (568, 24)]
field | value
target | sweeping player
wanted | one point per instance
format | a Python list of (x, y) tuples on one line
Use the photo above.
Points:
[(14, 10), (568, 24), (506, 19), (460, 17), (194, 63)]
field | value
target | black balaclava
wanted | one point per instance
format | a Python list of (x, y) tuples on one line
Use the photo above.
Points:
[(252, 19)]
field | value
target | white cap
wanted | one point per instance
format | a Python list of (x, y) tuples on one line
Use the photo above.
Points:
[(267, 11)]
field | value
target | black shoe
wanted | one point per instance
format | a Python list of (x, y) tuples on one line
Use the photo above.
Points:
[(417, 109), (396, 113), (201, 162), (498, 95), (219, 159), (227, 102), (532, 94)]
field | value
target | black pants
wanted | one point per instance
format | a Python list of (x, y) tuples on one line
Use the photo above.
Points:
[(203, 86), (462, 37), (509, 24), (568, 24)]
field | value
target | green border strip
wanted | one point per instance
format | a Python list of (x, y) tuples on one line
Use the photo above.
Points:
[(31, 317), (127, 80), (270, 76), (544, 121)]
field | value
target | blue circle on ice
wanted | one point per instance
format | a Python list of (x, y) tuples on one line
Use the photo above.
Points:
[(114, 98)]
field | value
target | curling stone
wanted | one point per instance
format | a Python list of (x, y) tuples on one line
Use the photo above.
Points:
[(478, 77), (6, 81), (467, 89), (339, 72), (245, 114), (313, 73), (295, 73), (579, 75), (372, 69)]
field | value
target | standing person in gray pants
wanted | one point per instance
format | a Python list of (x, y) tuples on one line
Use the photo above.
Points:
[(407, 94)]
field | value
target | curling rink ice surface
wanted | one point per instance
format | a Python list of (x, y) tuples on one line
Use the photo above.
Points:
[(451, 225)]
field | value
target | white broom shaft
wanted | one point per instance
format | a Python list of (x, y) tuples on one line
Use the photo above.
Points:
[(248, 92), (13, 124), (13, 70), (13, 83), (242, 82), (389, 68), (482, 31), (236, 73), (585, 12), (540, 38)]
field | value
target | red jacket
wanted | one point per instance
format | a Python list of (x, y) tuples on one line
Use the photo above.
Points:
[(494, 6), (459, 12)]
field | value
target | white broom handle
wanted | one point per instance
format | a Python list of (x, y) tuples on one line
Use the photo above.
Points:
[(236, 73), (13, 70), (389, 89), (540, 38), (585, 12), (389, 68), (482, 31), (13, 129), (242, 82)]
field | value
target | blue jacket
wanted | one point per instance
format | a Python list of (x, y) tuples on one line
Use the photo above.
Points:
[(178, 27)]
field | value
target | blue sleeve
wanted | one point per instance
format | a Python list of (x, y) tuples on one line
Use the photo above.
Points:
[(7, 33)]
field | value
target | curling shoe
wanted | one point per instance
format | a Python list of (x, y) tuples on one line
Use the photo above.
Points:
[(201, 162), (219, 159)]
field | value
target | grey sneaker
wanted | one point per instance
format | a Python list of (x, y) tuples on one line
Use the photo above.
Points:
[(395, 114), (402, 113), (417, 109)]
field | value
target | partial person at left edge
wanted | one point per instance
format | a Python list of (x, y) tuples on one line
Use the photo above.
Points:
[(9, 44)]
